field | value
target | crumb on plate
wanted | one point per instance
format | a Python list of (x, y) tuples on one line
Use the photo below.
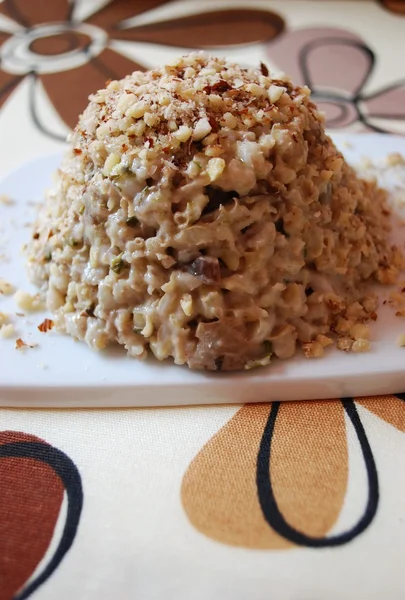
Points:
[(46, 325), (7, 331), (6, 200), (6, 288), (21, 345), (28, 302)]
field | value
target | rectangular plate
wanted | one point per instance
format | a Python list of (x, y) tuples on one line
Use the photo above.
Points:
[(61, 372)]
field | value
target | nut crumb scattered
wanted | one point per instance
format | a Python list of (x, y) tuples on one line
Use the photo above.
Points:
[(21, 345), (324, 340), (46, 325), (6, 200), (359, 331), (27, 301), (6, 288), (344, 344), (313, 349), (6, 331)]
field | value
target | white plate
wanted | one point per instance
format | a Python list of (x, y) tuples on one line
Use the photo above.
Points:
[(63, 373)]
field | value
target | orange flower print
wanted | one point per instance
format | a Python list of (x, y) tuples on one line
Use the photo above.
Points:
[(70, 54), (34, 478), (276, 475)]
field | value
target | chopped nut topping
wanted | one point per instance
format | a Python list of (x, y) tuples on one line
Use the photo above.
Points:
[(324, 340), (221, 86), (275, 93), (201, 129), (112, 161), (313, 350), (183, 133), (360, 331), (137, 110), (344, 344)]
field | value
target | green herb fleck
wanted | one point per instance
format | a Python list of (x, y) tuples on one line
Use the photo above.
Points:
[(117, 263), (81, 209), (132, 221), (48, 256), (199, 165), (72, 242)]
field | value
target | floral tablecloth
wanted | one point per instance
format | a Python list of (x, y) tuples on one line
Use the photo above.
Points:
[(289, 501)]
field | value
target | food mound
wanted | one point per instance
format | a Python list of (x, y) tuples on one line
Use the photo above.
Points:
[(202, 212)]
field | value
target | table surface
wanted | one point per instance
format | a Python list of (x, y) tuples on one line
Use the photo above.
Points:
[(295, 500)]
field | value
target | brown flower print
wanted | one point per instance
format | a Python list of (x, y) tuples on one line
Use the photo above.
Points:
[(275, 476), (34, 477), (337, 66), (396, 6), (71, 58)]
